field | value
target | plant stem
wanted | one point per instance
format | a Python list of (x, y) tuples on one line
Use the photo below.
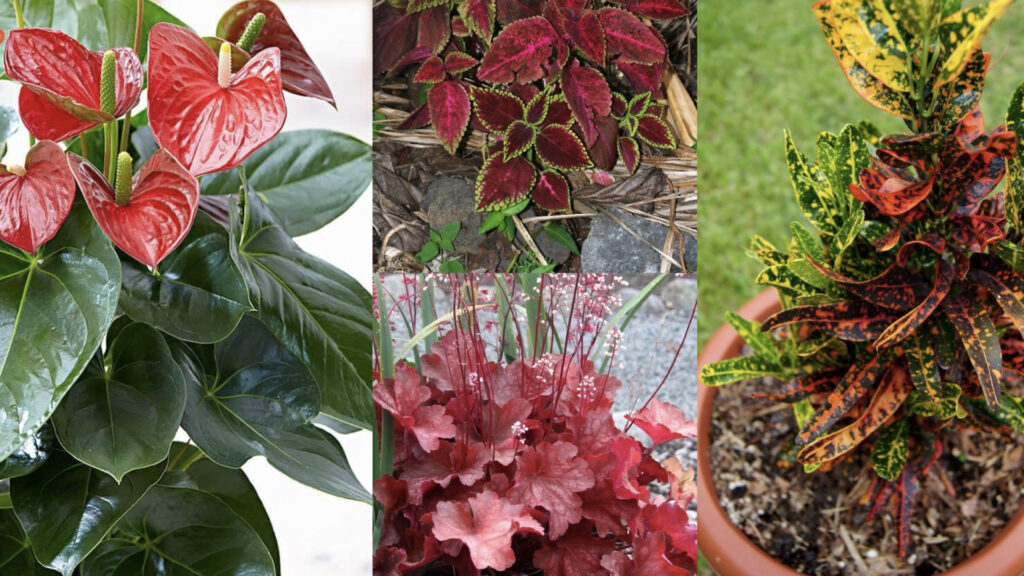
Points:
[(140, 7), (19, 15)]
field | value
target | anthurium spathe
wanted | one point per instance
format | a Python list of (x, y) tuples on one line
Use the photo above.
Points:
[(157, 213), (60, 95), (206, 115), (35, 199)]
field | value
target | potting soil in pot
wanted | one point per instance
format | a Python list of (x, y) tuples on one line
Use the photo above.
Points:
[(815, 524)]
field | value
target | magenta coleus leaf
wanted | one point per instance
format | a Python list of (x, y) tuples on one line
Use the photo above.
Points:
[(519, 137), (588, 35), (643, 77), (394, 35), (630, 153), (159, 213), (430, 72), (525, 51), (558, 112), (34, 204), (537, 109), (450, 108), (588, 96), (551, 192), (458, 62), (435, 28), (501, 184), (497, 109), (657, 9), (629, 38), (655, 132), (559, 148), (479, 17), (604, 152), (619, 105), (459, 28)]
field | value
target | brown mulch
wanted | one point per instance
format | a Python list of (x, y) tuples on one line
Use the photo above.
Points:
[(814, 523)]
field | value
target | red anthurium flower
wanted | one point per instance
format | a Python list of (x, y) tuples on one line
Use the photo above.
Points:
[(60, 96), (158, 214), (207, 117), (35, 200)]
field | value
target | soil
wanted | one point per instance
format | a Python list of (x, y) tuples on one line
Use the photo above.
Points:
[(814, 522)]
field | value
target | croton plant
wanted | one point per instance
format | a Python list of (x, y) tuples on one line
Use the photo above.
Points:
[(557, 86), (499, 453), (149, 283), (903, 305)]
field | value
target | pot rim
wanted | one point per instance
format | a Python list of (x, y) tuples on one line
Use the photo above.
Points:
[(728, 550)]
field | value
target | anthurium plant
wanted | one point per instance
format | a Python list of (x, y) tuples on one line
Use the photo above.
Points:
[(151, 291), (903, 303), (498, 452), (557, 86)]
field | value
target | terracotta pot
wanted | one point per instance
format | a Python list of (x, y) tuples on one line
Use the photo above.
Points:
[(731, 553)]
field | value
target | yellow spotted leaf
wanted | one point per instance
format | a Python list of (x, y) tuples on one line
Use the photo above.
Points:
[(961, 32), (872, 36), (890, 452)]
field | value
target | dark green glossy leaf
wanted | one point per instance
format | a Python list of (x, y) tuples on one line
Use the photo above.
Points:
[(181, 532), (54, 311), (67, 507), (307, 177), (199, 295), (30, 456), (249, 396), (16, 558), (318, 312), (124, 411)]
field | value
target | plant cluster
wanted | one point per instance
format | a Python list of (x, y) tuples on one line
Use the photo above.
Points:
[(902, 307), (154, 302), (557, 86), (516, 465)]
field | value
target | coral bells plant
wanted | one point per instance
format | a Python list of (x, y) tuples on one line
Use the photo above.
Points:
[(502, 456), (138, 301), (902, 306), (557, 86)]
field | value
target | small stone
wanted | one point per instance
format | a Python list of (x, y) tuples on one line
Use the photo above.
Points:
[(611, 248), (450, 199), (871, 553)]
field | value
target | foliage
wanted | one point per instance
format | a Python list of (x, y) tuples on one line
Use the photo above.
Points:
[(506, 457), (901, 307), (558, 86), (152, 304)]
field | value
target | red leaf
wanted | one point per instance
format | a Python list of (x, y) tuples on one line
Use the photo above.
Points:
[(588, 35), (672, 520), (497, 109), (655, 132), (434, 28), (394, 35), (537, 109), (551, 476), (450, 108), (911, 321), (525, 51), (419, 118), (404, 397), (518, 138), (619, 105), (630, 153), (631, 39), (502, 183), (664, 422), (34, 205), (206, 127), (852, 320), (578, 553), (604, 152), (981, 342), (643, 77), (650, 557), (458, 62), (559, 148), (891, 190), (558, 113), (479, 17), (858, 381), (158, 215), (588, 96), (299, 74), (551, 192), (485, 523), (455, 360), (657, 9), (61, 79), (628, 456), (459, 27), (430, 72)]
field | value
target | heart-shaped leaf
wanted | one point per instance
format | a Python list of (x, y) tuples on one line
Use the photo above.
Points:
[(158, 215), (501, 184), (124, 411), (497, 109), (524, 51), (298, 72), (16, 549), (519, 137), (559, 148), (33, 205), (431, 71), (450, 108), (199, 294), (61, 82), (206, 127), (551, 192), (30, 456), (655, 132), (67, 507), (56, 309), (249, 396), (588, 96), (178, 532), (318, 312), (627, 37)]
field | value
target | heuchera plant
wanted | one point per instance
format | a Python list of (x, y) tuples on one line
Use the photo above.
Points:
[(506, 459), (157, 300), (902, 307), (557, 85)]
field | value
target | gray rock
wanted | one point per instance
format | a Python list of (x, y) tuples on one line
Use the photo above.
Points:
[(690, 253), (451, 199), (610, 248)]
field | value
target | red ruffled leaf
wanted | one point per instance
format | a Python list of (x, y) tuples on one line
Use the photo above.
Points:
[(450, 109), (630, 153), (497, 109), (479, 17), (33, 206), (551, 192), (663, 422), (588, 96), (158, 215), (628, 458), (502, 183), (60, 97), (430, 72), (655, 132), (578, 553), (525, 51), (404, 398), (458, 62), (650, 557), (657, 9), (629, 38), (559, 148), (671, 519), (551, 476), (485, 523), (588, 35), (518, 138), (299, 74), (206, 127)]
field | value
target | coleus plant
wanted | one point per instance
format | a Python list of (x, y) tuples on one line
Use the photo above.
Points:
[(558, 86), (160, 299), (902, 307), (505, 458)]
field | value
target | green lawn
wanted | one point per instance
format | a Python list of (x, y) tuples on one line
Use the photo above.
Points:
[(765, 66)]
